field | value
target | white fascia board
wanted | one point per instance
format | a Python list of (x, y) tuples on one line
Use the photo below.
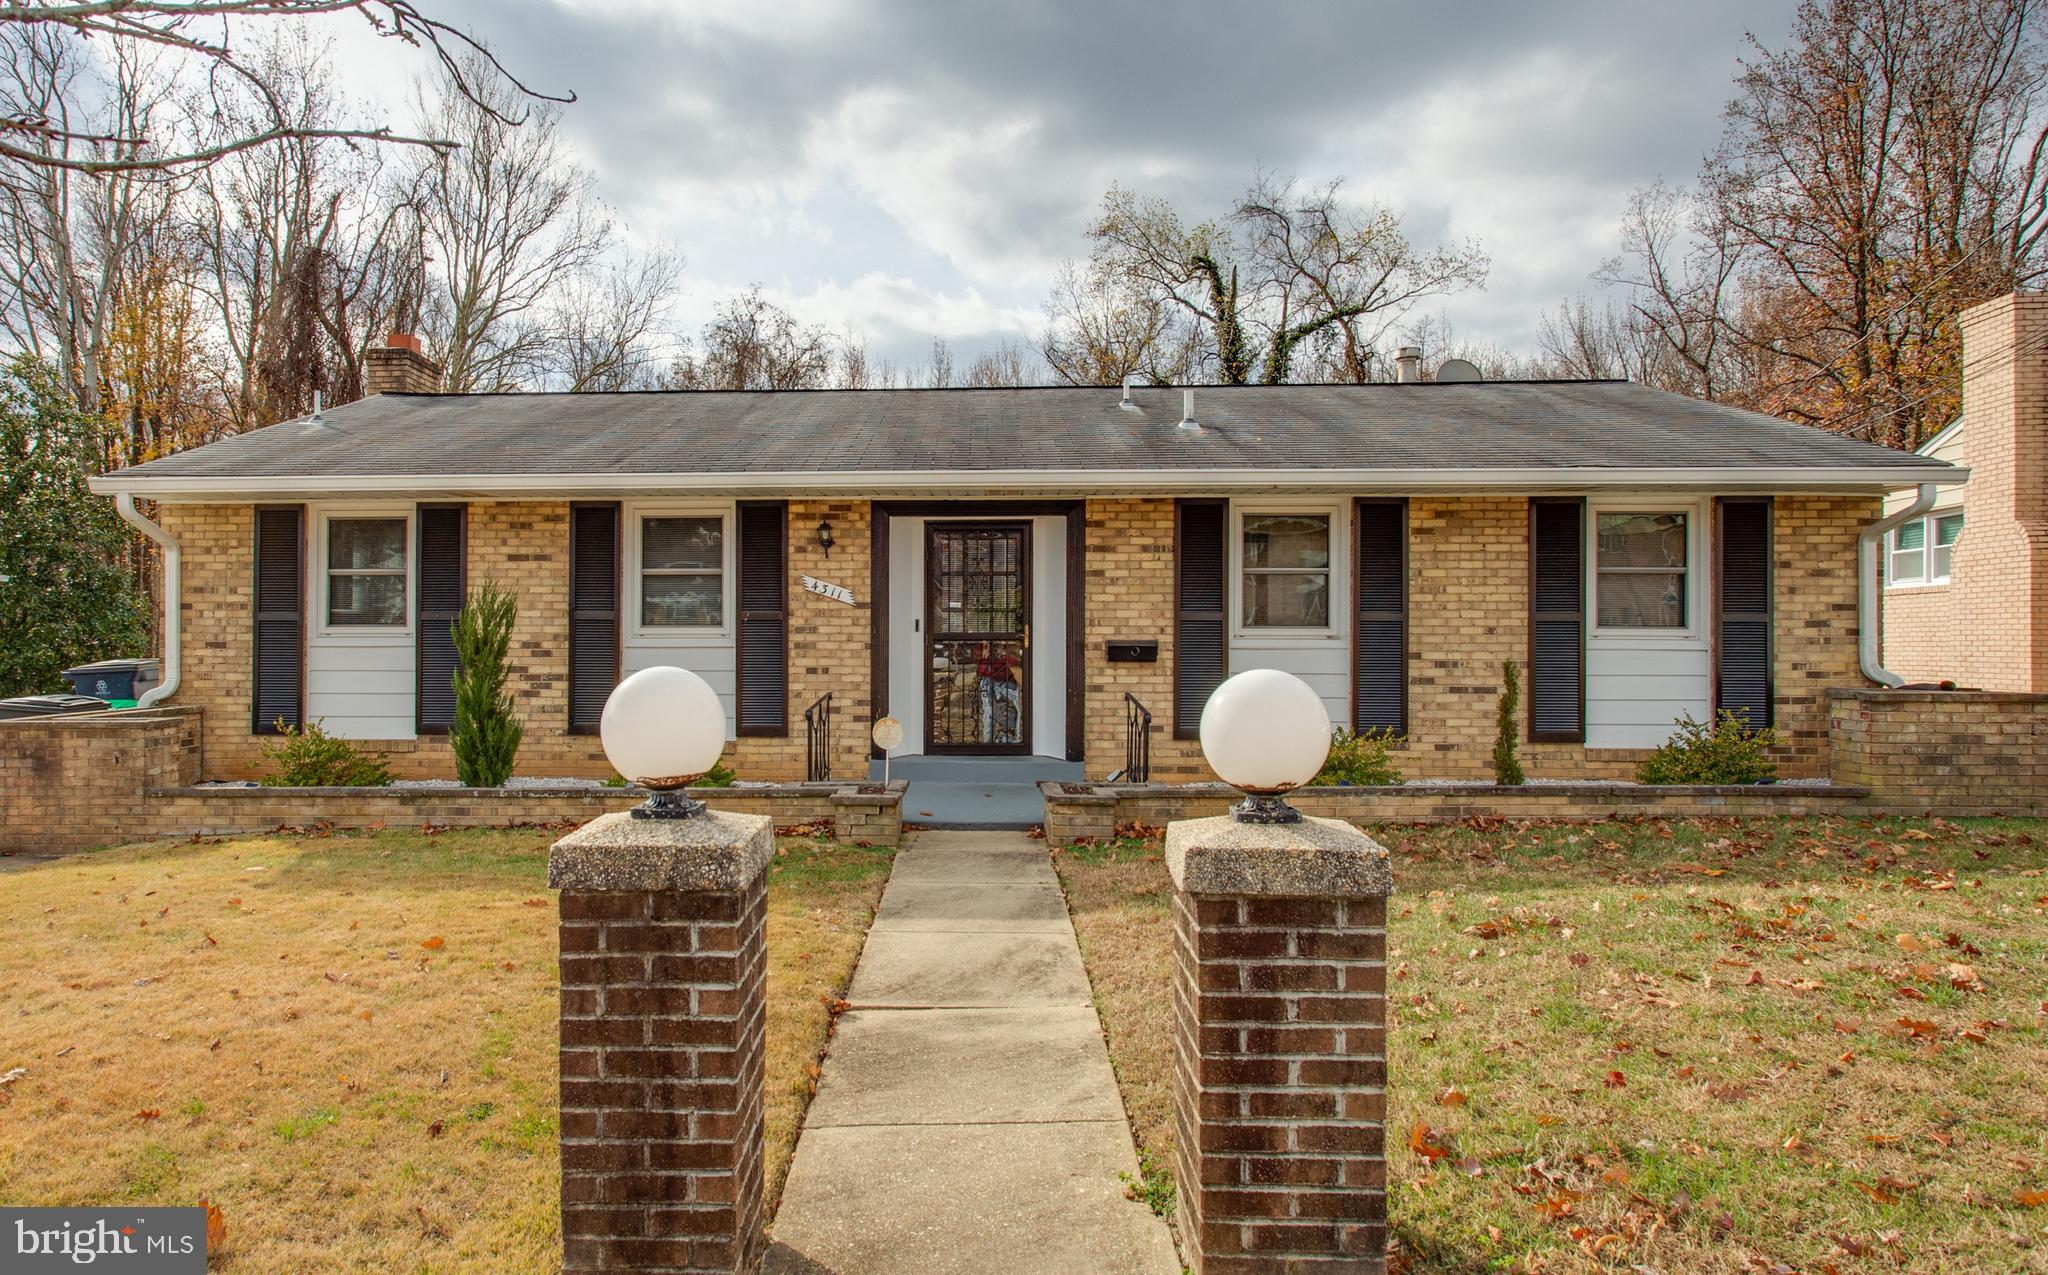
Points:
[(1006, 481)]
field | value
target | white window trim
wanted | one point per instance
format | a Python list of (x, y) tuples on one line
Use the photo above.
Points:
[(1927, 580), (679, 634), (1340, 558), (1697, 531), (368, 633)]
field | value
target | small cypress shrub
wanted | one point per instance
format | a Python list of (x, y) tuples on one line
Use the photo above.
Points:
[(309, 757), (1507, 739), (485, 736)]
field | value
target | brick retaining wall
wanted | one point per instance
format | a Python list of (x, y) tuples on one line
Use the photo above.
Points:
[(1947, 752)]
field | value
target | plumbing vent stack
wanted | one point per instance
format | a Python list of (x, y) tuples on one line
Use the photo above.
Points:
[(1128, 405), (1408, 364), (1187, 410)]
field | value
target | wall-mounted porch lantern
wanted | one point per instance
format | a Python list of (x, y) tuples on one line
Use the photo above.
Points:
[(825, 536)]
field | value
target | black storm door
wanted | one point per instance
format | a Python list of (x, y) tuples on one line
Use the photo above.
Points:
[(978, 638)]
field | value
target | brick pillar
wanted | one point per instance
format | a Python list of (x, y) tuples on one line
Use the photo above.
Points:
[(664, 1022), (1280, 1071)]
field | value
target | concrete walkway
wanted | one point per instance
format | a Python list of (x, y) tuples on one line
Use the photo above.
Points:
[(967, 1119)]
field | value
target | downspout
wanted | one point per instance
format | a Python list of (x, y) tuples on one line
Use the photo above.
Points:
[(1870, 586), (174, 561)]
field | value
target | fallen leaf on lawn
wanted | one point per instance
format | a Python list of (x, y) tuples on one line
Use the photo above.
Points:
[(1879, 1194), (1847, 1027), (1912, 943), (1616, 1175), (535, 903), (434, 944), (1431, 1144), (2030, 1199), (1615, 1080), (148, 1114), (1917, 1028), (1451, 1098), (1471, 1167), (216, 1226), (1561, 1202), (434, 1129), (1580, 958)]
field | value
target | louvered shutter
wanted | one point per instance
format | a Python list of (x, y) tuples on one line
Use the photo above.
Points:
[(1742, 621), (1379, 641), (280, 618), (593, 612), (763, 556), (442, 584), (1200, 654), (1557, 621)]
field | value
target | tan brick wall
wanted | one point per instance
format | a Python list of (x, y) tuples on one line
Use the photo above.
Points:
[(1949, 752), (1920, 632), (2000, 634), (219, 588), (69, 783), (1814, 593), (1130, 597)]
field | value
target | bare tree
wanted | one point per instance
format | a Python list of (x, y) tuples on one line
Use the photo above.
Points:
[(754, 344), (1284, 270), (1100, 329), (608, 323), (940, 374), (1875, 176), (1000, 368), (508, 219), (202, 32)]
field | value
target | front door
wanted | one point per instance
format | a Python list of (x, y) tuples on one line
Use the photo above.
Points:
[(977, 696)]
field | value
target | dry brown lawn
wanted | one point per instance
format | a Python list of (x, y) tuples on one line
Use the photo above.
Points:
[(346, 1042), (1775, 1046)]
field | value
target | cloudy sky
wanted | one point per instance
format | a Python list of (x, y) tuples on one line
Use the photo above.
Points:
[(919, 170)]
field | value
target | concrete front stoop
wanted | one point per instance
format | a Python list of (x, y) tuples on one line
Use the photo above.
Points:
[(967, 1119)]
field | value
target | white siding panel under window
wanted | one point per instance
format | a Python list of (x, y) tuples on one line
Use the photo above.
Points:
[(1325, 664), (709, 658), (360, 687), (1636, 690)]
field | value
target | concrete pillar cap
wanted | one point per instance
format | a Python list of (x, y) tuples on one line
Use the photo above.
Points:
[(711, 851), (1316, 858)]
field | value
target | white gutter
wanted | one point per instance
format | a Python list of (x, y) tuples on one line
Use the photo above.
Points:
[(1528, 478), (174, 561), (1870, 585)]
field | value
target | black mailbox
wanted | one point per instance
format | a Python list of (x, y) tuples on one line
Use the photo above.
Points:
[(1134, 652)]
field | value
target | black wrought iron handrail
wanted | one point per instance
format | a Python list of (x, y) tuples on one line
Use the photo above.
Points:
[(818, 739), (1137, 741)]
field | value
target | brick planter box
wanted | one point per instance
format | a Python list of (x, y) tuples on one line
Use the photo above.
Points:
[(1074, 811)]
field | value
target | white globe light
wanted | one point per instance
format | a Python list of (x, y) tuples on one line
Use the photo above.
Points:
[(663, 727), (1265, 731)]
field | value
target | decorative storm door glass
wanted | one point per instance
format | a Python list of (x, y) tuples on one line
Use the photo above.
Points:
[(978, 635)]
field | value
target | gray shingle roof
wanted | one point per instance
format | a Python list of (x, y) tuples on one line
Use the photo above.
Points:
[(1490, 425)]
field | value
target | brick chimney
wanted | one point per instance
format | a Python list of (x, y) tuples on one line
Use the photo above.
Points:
[(2001, 562), (400, 367)]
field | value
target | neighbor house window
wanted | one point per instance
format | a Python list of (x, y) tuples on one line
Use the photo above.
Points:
[(1923, 550), (682, 572), (1286, 571), (1641, 569), (366, 572)]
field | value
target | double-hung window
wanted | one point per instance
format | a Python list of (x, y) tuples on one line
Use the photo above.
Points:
[(1923, 551), (1640, 569), (366, 572), (682, 572), (1285, 567)]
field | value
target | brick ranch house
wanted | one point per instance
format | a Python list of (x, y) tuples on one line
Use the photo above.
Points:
[(1009, 571), (1973, 608)]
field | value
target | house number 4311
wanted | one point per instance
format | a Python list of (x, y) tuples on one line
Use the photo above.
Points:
[(836, 592)]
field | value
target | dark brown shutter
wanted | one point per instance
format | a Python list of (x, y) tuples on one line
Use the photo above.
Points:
[(763, 655), (1379, 639), (1557, 621), (593, 612), (280, 640), (443, 580), (1742, 619), (1201, 566)]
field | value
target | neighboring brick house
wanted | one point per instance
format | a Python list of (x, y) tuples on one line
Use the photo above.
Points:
[(1016, 571), (1966, 581)]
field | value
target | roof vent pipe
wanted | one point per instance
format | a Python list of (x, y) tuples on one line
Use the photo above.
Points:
[(316, 420), (1128, 404), (1187, 410), (1408, 364)]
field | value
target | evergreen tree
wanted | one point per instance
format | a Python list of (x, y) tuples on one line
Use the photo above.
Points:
[(1507, 765), (67, 592), (486, 735)]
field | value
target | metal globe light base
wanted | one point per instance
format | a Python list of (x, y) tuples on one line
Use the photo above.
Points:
[(1264, 807), (668, 803)]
